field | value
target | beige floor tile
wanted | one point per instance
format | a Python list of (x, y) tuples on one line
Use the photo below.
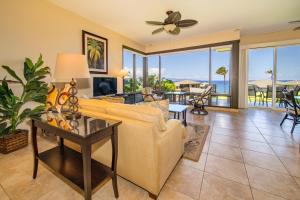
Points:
[(286, 151), (197, 165), (285, 142), (226, 131), (126, 189), (215, 188), (186, 180), (225, 151), (253, 137), (263, 160), (255, 146), (273, 132), (3, 195), (293, 165), (297, 180), (227, 169), (167, 193), (273, 182), (261, 195), (227, 140), (205, 147)]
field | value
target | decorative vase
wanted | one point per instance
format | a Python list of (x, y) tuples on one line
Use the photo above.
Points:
[(13, 142)]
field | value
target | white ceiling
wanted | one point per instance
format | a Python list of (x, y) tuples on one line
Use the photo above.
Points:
[(128, 17)]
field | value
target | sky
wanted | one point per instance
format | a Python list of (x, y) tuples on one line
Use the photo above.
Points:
[(262, 59), (194, 65)]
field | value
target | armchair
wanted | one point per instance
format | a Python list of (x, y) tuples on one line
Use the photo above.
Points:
[(199, 101)]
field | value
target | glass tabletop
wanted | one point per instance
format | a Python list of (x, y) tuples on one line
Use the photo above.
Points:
[(82, 126), (177, 108)]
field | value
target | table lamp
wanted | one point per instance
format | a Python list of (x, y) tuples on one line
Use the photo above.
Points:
[(68, 68), (123, 73)]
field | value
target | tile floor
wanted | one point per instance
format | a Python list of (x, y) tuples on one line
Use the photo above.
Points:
[(246, 156)]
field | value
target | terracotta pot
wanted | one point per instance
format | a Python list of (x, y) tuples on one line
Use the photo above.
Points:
[(15, 141)]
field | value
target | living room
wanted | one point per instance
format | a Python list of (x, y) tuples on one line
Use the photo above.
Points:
[(149, 99)]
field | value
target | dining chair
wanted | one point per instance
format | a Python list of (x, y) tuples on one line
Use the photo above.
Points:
[(292, 109)]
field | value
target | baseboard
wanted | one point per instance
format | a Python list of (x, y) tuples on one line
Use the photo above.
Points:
[(233, 110)]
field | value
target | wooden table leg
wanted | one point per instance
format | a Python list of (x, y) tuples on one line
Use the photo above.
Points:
[(184, 118), (86, 159), (61, 144), (35, 149), (114, 160)]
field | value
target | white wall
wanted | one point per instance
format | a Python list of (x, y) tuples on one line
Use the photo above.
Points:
[(31, 27)]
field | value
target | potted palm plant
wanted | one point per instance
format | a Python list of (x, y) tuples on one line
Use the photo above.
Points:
[(13, 110)]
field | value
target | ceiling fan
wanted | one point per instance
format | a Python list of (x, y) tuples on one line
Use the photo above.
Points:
[(172, 23), (295, 22)]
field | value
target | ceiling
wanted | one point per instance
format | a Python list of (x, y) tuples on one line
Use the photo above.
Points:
[(128, 17)]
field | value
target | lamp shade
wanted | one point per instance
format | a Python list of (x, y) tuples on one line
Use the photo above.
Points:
[(123, 72), (70, 66)]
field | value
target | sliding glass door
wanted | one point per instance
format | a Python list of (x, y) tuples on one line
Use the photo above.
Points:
[(270, 70), (260, 77), (287, 71), (220, 75)]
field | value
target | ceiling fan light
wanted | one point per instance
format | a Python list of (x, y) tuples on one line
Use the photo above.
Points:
[(169, 27)]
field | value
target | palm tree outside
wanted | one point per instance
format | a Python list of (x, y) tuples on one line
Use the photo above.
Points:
[(223, 71)]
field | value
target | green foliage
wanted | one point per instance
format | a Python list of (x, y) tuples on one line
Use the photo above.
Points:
[(167, 85), (34, 89)]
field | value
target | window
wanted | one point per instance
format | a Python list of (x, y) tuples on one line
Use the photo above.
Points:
[(267, 76), (139, 73), (128, 65), (185, 69), (133, 63), (153, 72), (220, 75)]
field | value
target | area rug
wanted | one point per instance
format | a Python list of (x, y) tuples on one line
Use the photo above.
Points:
[(196, 136)]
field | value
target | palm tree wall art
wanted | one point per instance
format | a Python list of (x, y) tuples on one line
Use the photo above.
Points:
[(95, 49)]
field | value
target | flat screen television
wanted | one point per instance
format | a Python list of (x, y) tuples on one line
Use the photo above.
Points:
[(104, 86)]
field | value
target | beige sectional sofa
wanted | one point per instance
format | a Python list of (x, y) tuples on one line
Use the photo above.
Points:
[(149, 146)]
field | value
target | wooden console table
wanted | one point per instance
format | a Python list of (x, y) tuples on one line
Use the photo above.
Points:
[(79, 169)]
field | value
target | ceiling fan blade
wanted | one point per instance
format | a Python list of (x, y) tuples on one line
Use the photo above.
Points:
[(173, 17), (155, 23), (176, 31), (296, 21), (157, 30), (186, 23), (297, 28)]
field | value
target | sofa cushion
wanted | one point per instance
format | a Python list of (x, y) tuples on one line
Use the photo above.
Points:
[(93, 104), (163, 105), (137, 112)]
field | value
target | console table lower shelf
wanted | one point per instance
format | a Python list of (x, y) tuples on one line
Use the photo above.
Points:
[(67, 164)]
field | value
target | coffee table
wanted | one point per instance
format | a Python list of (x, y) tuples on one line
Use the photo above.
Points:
[(77, 168), (177, 109)]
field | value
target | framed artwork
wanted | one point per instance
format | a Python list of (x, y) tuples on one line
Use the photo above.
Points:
[(95, 49)]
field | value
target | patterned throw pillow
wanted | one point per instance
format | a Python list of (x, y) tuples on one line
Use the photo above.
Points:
[(163, 105)]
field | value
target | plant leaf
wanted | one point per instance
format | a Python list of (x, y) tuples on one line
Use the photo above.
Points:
[(12, 73)]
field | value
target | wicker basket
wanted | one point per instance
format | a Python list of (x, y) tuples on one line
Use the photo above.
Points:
[(13, 142)]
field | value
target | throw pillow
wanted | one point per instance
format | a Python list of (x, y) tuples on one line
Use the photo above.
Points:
[(163, 105)]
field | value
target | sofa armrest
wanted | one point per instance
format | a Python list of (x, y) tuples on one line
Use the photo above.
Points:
[(170, 149)]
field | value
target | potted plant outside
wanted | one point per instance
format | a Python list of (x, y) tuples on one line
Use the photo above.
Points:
[(13, 110)]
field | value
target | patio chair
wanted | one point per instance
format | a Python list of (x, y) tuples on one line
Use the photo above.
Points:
[(200, 101), (279, 95), (253, 90), (297, 90), (292, 109)]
